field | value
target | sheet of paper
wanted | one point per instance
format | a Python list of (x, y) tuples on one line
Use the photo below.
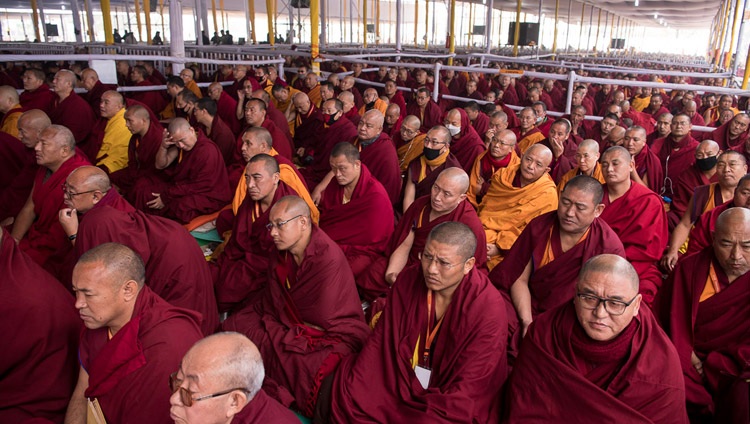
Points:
[(423, 375)]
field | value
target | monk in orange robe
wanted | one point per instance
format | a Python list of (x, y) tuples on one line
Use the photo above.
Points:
[(527, 134), (587, 157), (11, 109), (409, 141)]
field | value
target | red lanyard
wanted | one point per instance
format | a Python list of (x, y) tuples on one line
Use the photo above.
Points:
[(430, 335)]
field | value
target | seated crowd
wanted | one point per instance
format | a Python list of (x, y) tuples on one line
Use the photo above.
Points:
[(386, 257)]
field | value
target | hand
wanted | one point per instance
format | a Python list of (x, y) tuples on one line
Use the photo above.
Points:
[(697, 364), (166, 140), (69, 221), (390, 278), (489, 134), (557, 147), (241, 94), (316, 195), (524, 328), (156, 203), (492, 250), (668, 261), (301, 152)]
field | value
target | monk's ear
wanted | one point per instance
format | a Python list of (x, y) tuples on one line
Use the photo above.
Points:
[(547, 169), (236, 402), (276, 177), (637, 304), (469, 264), (130, 290), (599, 209)]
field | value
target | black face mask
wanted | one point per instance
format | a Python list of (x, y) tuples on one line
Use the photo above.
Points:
[(370, 105), (706, 164), (331, 119), (431, 154)]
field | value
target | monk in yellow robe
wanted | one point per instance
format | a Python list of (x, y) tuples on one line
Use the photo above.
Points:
[(587, 158)]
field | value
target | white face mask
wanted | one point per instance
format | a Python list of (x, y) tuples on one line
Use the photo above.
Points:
[(454, 130)]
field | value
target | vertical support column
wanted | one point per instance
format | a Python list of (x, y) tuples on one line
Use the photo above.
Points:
[(591, 24), (269, 15), (40, 4), (488, 27), (314, 20), (90, 20), (737, 16), (138, 19), (213, 15), (416, 23), (554, 38), (452, 41), (147, 13), (322, 18), (75, 9), (722, 36), (426, 23), (571, 87), (399, 18), (739, 39), (377, 22), (746, 76), (598, 27), (580, 32), (364, 23), (163, 27), (567, 29), (109, 38), (223, 18), (517, 33), (436, 88), (35, 20), (176, 43)]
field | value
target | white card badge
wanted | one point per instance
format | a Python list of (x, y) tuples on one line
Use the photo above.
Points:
[(423, 375)]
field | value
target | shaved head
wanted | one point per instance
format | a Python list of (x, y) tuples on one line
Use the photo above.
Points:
[(179, 125), (457, 178), (456, 234), (120, 262), (89, 178), (613, 265), (294, 205), (412, 122), (139, 112)]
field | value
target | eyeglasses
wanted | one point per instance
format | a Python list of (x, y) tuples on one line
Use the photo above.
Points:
[(69, 194), (500, 142), (270, 226), (427, 259), (612, 306), (186, 396)]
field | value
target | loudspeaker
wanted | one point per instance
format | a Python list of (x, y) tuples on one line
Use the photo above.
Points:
[(51, 30), (617, 43), (529, 33)]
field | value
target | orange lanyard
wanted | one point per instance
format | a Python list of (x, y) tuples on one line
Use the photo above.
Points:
[(430, 335), (256, 212)]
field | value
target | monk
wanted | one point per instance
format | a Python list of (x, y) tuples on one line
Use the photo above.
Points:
[(226, 366), (730, 167), (647, 171), (197, 183), (335, 128), (152, 99), (500, 154), (95, 214), (466, 144), (206, 114), (446, 202), (10, 107), (133, 340), (563, 146), (527, 133), (188, 77), (424, 169), (282, 96), (226, 106), (733, 134), (309, 315), (393, 120), (606, 349), (702, 233), (372, 102), (587, 156), (424, 108), (72, 111), (517, 194), (540, 269), (36, 93), (703, 172), (676, 151), (308, 124), (408, 370), (38, 316), (636, 214), (704, 309), (240, 271), (36, 227), (313, 88), (275, 115), (113, 142), (355, 197)]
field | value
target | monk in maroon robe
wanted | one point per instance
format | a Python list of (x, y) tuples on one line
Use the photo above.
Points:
[(676, 151), (539, 271), (37, 226), (704, 307), (423, 170), (225, 360), (176, 269), (38, 316), (127, 354), (14, 156), (226, 107), (636, 214), (205, 112), (647, 169), (446, 202), (195, 184), (424, 108), (703, 172), (36, 94), (466, 144), (701, 235), (95, 89), (606, 350), (410, 372), (309, 316), (153, 99), (256, 116), (335, 129), (733, 134), (72, 111), (354, 197)]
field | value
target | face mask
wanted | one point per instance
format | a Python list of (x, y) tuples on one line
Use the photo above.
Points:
[(260, 78), (707, 164), (371, 104), (331, 119), (453, 129), (431, 154)]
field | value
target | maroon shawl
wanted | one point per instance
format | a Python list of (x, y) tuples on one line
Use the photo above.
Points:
[(326, 138), (141, 158), (381, 159), (223, 137), (424, 187), (17, 170), (702, 233), (468, 145), (263, 409), (468, 359), (42, 98), (684, 186), (647, 163), (432, 114), (721, 136), (153, 99), (94, 96), (74, 113), (679, 161), (308, 127)]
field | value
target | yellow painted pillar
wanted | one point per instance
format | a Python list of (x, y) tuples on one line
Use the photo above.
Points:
[(517, 34), (35, 18), (314, 40), (426, 23), (213, 13), (598, 26), (161, 14), (146, 11), (452, 43), (416, 22), (364, 20), (221, 11), (270, 13), (138, 19), (737, 17), (720, 44), (554, 39), (109, 38), (251, 12), (747, 70), (580, 33)]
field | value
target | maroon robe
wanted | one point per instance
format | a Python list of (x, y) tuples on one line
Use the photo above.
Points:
[(39, 367), (398, 99), (481, 124), (721, 136), (510, 96), (94, 96), (702, 233), (74, 113), (141, 159), (380, 157), (629, 375), (647, 163), (424, 187), (684, 187), (370, 204), (467, 359), (196, 185), (417, 219), (279, 119), (327, 138), (432, 115), (307, 128), (240, 272), (153, 99), (468, 145), (716, 330), (679, 161), (320, 291), (644, 120), (638, 218), (393, 130), (656, 114), (353, 116), (46, 241), (226, 108), (17, 170), (42, 98), (176, 269), (128, 374), (281, 143), (223, 137), (264, 409)]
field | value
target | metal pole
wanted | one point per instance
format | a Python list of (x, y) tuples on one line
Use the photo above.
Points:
[(364, 21), (728, 57), (399, 18), (146, 11), (488, 27), (517, 34), (109, 38), (90, 20), (416, 23), (377, 22), (40, 3), (747, 70), (598, 26), (452, 41), (722, 37), (436, 88), (554, 39), (35, 20), (580, 32), (322, 17), (571, 87), (138, 19), (176, 43), (567, 29), (591, 24), (426, 23), (75, 9), (739, 41)]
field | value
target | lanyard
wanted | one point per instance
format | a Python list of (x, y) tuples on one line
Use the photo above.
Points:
[(430, 335)]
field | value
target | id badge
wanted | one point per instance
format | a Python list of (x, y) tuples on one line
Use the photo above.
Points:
[(423, 375)]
